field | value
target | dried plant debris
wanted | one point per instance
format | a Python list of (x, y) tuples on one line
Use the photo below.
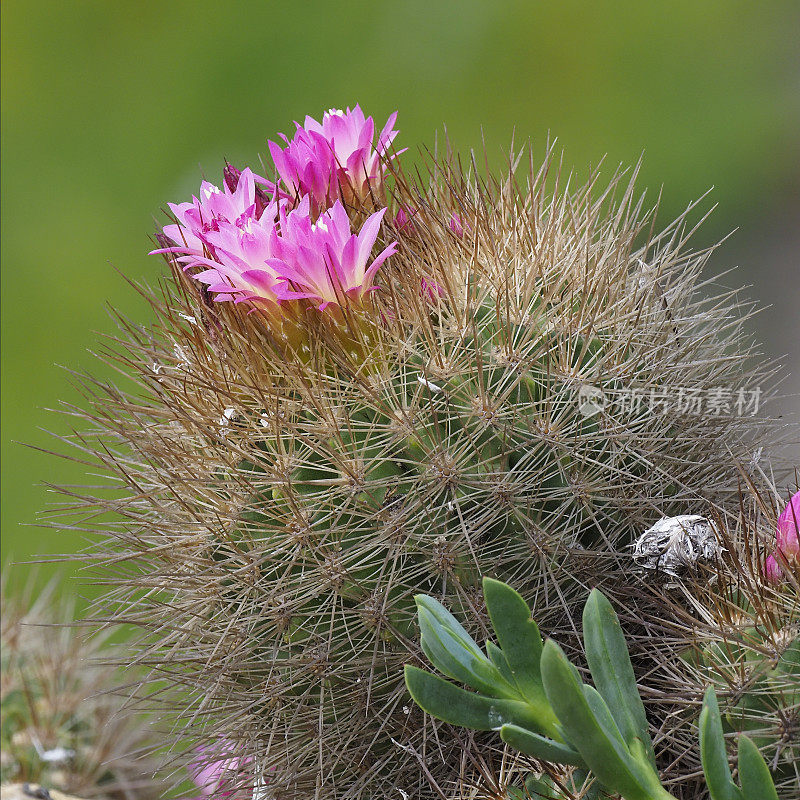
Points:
[(675, 545)]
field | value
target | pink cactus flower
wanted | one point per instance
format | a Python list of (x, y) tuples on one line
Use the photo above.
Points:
[(276, 255), (232, 177), (324, 261), (334, 159), (237, 205), (215, 769), (431, 291), (226, 235), (789, 527)]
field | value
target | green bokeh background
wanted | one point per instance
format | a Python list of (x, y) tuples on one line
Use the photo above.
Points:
[(111, 109)]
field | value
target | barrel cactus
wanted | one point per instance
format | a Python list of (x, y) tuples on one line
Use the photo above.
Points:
[(360, 386)]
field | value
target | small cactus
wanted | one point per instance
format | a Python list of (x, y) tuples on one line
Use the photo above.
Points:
[(62, 723), (754, 775), (479, 377), (739, 635), (757, 671)]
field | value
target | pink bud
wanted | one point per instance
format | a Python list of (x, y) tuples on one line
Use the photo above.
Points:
[(214, 767), (456, 225), (231, 176), (789, 528), (431, 291), (403, 220), (773, 570)]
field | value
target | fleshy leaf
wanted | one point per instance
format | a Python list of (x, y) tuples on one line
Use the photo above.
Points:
[(444, 617), (450, 703), (517, 634), (497, 657), (459, 660), (602, 713), (532, 744), (754, 774), (602, 748), (713, 753), (612, 672), (450, 657)]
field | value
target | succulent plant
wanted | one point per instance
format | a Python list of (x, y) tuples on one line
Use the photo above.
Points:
[(534, 697), (530, 693), (507, 396), (62, 721)]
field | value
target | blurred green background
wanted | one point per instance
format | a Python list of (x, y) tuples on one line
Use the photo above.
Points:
[(111, 109)]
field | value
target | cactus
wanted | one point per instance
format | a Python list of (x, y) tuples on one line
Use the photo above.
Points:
[(757, 671), (748, 651), (730, 627), (294, 471), (754, 775), (62, 725), (534, 697)]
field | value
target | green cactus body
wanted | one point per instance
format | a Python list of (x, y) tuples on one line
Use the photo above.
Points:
[(756, 674), (743, 642)]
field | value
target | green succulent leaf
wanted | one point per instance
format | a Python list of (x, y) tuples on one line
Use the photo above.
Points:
[(612, 672), (450, 703), (591, 729), (602, 713), (713, 753), (447, 620), (754, 774), (532, 744), (461, 661), (517, 634), (497, 658)]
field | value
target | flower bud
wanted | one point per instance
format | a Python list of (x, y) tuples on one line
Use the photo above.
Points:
[(231, 176), (788, 531), (773, 570)]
